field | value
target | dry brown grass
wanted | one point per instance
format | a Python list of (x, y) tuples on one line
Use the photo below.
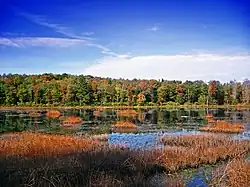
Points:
[(35, 144), (127, 113), (72, 120), (235, 173), (53, 114), (99, 167), (86, 162), (194, 150), (125, 124), (238, 173), (224, 126)]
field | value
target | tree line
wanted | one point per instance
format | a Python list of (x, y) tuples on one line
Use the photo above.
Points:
[(73, 90)]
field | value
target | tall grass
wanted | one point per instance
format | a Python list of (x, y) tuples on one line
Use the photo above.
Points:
[(125, 124), (235, 173), (194, 150), (72, 162), (35, 144), (33, 159), (224, 126)]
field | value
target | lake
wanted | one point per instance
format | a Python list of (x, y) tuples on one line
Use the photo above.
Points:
[(153, 120), (151, 123)]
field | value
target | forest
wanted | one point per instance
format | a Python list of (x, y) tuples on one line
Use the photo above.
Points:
[(79, 90)]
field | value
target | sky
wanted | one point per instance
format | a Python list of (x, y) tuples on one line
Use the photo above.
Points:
[(153, 39)]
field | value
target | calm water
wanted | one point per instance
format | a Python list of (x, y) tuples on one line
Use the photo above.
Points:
[(148, 120), (151, 123)]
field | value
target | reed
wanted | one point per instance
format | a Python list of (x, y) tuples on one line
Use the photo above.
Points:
[(36, 144), (194, 150), (238, 173), (99, 167), (234, 173), (37, 159), (72, 120), (53, 114), (125, 124), (224, 126)]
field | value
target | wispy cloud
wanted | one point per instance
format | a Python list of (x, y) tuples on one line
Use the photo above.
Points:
[(41, 20), (88, 33), (85, 37), (154, 28), (39, 42)]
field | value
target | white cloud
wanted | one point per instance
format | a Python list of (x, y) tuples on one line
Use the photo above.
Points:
[(40, 41), (176, 67), (154, 28)]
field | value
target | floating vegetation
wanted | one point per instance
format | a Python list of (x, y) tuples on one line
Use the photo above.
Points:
[(224, 126), (53, 114), (35, 114), (125, 124), (127, 113), (72, 120)]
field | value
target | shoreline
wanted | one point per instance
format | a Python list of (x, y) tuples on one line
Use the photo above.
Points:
[(238, 107)]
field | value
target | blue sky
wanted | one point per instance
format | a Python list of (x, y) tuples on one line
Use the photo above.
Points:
[(174, 39)]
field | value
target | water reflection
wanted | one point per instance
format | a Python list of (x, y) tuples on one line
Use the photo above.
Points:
[(147, 120)]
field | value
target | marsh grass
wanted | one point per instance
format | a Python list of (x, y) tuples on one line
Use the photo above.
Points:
[(37, 144), (125, 124), (32, 159), (224, 126), (53, 114), (194, 150), (100, 167), (71, 121), (234, 173)]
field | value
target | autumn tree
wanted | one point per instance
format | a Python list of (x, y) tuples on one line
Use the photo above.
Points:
[(141, 99), (246, 91)]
